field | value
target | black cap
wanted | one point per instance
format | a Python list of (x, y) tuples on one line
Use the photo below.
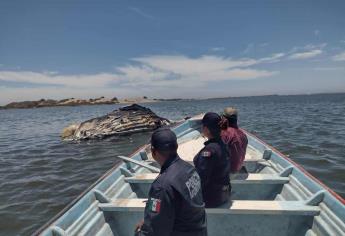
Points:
[(211, 120), (164, 139)]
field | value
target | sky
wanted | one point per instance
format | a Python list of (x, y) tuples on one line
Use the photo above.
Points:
[(170, 49)]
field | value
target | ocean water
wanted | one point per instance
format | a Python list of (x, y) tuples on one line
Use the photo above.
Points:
[(40, 174)]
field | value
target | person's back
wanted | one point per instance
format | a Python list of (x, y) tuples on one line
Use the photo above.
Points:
[(175, 205), (182, 189), (235, 139), (212, 164)]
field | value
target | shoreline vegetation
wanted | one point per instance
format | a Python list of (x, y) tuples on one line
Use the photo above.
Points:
[(102, 100)]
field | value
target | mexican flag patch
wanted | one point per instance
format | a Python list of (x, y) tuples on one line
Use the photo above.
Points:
[(154, 205)]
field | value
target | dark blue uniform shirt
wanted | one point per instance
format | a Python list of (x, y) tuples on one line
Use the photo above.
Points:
[(213, 166), (175, 205)]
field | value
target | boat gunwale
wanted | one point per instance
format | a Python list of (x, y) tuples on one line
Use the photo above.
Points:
[(94, 184), (332, 192)]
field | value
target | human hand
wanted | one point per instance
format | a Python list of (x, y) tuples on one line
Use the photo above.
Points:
[(139, 225)]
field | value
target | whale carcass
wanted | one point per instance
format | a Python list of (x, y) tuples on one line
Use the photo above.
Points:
[(125, 120)]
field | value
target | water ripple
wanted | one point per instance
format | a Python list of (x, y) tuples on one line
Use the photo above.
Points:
[(40, 174)]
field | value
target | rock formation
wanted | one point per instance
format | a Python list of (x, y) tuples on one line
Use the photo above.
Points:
[(63, 102), (129, 119)]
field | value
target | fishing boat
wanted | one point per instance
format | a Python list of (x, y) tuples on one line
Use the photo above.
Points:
[(276, 197)]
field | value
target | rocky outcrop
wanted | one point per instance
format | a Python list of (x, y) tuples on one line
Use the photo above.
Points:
[(126, 120), (95, 101), (31, 104), (63, 102)]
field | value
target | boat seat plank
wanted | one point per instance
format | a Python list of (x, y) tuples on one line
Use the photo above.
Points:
[(189, 148), (258, 179), (261, 160), (236, 207), (234, 179), (249, 160), (143, 164), (142, 178)]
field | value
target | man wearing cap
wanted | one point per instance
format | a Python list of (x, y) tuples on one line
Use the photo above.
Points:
[(212, 163), (175, 205), (235, 139)]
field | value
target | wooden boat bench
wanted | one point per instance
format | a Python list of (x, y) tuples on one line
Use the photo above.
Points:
[(251, 164), (235, 207), (235, 179), (252, 217), (244, 186)]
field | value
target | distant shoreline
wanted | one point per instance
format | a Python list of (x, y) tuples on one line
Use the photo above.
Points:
[(273, 95), (105, 101), (74, 102)]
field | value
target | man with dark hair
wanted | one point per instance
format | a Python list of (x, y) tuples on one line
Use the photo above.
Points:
[(175, 205), (235, 139)]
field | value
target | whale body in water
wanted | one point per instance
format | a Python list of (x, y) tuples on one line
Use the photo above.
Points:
[(125, 120)]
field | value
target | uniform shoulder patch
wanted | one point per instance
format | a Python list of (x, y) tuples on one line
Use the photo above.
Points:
[(206, 153), (154, 205), (193, 184)]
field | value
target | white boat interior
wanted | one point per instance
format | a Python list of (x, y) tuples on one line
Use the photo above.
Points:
[(276, 197)]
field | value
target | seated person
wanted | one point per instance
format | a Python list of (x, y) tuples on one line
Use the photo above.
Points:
[(175, 205), (212, 163), (235, 139)]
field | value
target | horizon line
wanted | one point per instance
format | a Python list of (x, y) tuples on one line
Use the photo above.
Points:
[(206, 98)]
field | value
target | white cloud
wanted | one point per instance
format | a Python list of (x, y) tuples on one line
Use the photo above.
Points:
[(308, 47), (154, 75), (51, 78), (183, 71), (240, 74), (264, 44), (339, 57), (142, 74), (273, 58), (328, 68), (190, 66), (161, 70), (141, 13), (217, 49), (306, 54), (249, 48), (315, 46)]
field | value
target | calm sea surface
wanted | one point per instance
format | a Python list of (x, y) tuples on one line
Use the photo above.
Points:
[(40, 174)]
